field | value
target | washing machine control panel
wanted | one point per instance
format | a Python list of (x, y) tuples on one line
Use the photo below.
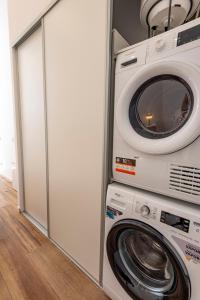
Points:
[(145, 210), (175, 221)]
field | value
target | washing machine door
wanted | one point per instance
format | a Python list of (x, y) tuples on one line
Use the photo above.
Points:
[(158, 110), (146, 265)]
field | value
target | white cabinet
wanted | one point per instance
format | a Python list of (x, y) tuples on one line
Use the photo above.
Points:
[(23, 13), (76, 49), (31, 86), (75, 104)]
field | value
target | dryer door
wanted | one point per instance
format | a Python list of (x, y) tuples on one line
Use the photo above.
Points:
[(158, 110), (146, 265)]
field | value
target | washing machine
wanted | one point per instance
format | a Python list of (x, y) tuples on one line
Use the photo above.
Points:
[(156, 144), (152, 246)]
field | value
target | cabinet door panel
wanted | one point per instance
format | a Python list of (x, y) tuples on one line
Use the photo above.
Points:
[(75, 43), (30, 67)]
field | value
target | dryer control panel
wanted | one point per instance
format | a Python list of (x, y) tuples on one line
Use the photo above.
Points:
[(175, 41), (189, 35)]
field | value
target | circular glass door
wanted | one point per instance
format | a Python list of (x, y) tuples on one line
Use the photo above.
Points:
[(161, 106), (157, 111), (145, 264)]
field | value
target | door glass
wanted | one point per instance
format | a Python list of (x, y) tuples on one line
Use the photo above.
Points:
[(161, 106), (146, 260), (146, 265)]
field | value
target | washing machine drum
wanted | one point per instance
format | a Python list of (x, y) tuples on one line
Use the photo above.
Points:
[(145, 263), (158, 110)]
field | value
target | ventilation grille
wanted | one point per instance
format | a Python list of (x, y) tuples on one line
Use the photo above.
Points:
[(185, 179)]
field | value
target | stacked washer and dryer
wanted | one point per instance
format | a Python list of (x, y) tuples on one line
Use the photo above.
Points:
[(152, 230)]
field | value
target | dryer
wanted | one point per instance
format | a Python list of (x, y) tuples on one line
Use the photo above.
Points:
[(152, 246), (157, 114)]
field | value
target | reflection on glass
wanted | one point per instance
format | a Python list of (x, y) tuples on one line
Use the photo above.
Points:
[(146, 259), (149, 118)]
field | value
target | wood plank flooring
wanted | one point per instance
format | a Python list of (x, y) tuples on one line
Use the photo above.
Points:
[(31, 267)]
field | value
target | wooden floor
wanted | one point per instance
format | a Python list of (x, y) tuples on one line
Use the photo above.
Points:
[(31, 267)]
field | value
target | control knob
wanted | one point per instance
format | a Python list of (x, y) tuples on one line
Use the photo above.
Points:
[(160, 44), (145, 211)]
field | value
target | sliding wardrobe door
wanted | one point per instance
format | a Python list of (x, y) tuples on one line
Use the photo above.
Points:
[(31, 85), (75, 43)]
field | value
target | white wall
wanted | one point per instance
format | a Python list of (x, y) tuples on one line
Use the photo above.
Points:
[(7, 145), (22, 14)]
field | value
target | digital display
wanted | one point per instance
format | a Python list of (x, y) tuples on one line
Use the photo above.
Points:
[(188, 35), (175, 221)]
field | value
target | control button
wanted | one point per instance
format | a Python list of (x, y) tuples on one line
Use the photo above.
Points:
[(145, 211)]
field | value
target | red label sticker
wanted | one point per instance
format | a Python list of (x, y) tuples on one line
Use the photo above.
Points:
[(125, 165), (125, 171)]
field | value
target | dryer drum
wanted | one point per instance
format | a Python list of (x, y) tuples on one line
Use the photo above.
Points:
[(146, 264)]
